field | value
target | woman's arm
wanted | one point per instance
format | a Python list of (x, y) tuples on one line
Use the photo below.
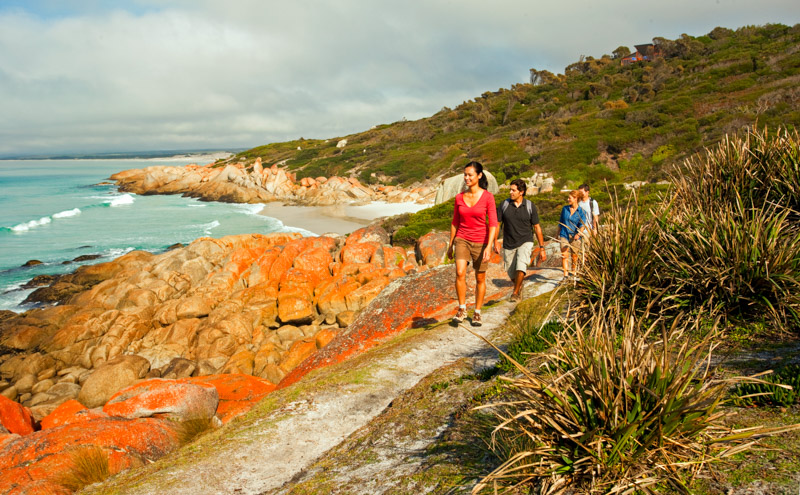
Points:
[(453, 229), (487, 253)]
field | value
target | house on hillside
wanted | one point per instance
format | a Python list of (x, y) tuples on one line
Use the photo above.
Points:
[(644, 53)]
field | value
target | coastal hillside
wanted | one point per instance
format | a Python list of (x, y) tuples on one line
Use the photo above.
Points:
[(602, 119)]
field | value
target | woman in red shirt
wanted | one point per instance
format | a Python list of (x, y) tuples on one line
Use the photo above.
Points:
[(469, 236)]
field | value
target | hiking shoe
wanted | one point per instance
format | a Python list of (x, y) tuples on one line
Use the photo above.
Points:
[(460, 315), (515, 298), (476, 320)]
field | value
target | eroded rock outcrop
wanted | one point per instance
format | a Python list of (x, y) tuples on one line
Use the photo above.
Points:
[(254, 183), (202, 331), (247, 304)]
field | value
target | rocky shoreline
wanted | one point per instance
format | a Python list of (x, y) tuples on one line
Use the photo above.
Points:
[(207, 329), (240, 182)]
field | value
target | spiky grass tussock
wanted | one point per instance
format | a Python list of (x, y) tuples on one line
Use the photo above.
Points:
[(726, 238), (89, 465), (190, 429), (625, 401)]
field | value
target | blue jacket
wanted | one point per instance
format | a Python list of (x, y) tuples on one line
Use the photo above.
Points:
[(570, 224)]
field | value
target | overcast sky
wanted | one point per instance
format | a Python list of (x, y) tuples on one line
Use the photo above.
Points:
[(202, 74)]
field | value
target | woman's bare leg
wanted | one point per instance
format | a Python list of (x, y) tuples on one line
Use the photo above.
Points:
[(461, 281), (480, 289)]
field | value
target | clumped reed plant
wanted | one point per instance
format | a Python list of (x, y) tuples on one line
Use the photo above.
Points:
[(89, 465), (741, 262), (756, 167), (625, 402), (621, 263)]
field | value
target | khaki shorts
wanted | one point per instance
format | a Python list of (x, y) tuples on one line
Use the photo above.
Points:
[(471, 251), (517, 259), (573, 247)]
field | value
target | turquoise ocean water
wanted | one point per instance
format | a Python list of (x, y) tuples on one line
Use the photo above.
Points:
[(56, 210)]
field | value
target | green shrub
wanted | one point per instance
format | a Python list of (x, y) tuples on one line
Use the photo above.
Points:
[(529, 338), (767, 392)]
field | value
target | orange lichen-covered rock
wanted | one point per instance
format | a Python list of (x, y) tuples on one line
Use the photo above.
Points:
[(361, 252), (313, 260), (15, 417), (431, 248), (371, 233), (157, 396), (393, 256), (63, 414), (324, 336), (394, 309), (360, 297), (46, 454), (294, 309), (41, 487), (333, 300), (237, 393), (299, 351)]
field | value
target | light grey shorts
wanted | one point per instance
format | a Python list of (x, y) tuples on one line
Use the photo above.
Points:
[(517, 260)]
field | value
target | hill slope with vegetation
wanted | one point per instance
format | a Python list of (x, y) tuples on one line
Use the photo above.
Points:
[(600, 120)]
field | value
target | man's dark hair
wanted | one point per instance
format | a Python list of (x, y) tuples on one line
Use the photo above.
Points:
[(585, 187), (521, 186)]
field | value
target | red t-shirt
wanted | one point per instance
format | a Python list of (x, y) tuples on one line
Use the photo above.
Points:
[(470, 223)]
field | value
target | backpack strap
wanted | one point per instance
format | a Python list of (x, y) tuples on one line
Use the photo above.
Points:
[(528, 206), (504, 206)]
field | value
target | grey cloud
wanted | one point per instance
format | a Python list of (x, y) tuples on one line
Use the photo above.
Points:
[(182, 74)]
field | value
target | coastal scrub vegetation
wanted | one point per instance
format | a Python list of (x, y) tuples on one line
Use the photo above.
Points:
[(599, 121), (627, 399), (724, 240)]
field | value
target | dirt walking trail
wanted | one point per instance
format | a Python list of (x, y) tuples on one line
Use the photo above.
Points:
[(287, 432)]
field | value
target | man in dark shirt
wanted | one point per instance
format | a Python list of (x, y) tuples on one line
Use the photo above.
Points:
[(520, 219)]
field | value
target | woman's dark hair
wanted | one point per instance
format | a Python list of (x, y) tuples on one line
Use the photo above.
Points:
[(483, 182)]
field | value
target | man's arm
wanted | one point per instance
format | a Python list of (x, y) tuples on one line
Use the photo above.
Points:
[(540, 237)]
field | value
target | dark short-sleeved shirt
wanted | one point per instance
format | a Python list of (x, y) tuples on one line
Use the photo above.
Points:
[(517, 224)]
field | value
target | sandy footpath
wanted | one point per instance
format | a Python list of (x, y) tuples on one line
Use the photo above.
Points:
[(260, 454), (341, 219)]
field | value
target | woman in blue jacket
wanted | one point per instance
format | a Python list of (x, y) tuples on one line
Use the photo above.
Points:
[(572, 224)]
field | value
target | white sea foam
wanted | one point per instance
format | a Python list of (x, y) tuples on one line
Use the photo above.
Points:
[(117, 252), (207, 228), (23, 227), (125, 199), (67, 213), (251, 209)]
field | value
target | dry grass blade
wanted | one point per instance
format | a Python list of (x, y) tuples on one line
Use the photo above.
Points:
[(89, 465)]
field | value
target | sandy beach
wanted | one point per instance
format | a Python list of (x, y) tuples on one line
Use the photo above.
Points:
[(341, 219)]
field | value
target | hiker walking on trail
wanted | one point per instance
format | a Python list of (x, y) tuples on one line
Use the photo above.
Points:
[(470, 237), (572, 224), (520, 220), (589, 206)]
